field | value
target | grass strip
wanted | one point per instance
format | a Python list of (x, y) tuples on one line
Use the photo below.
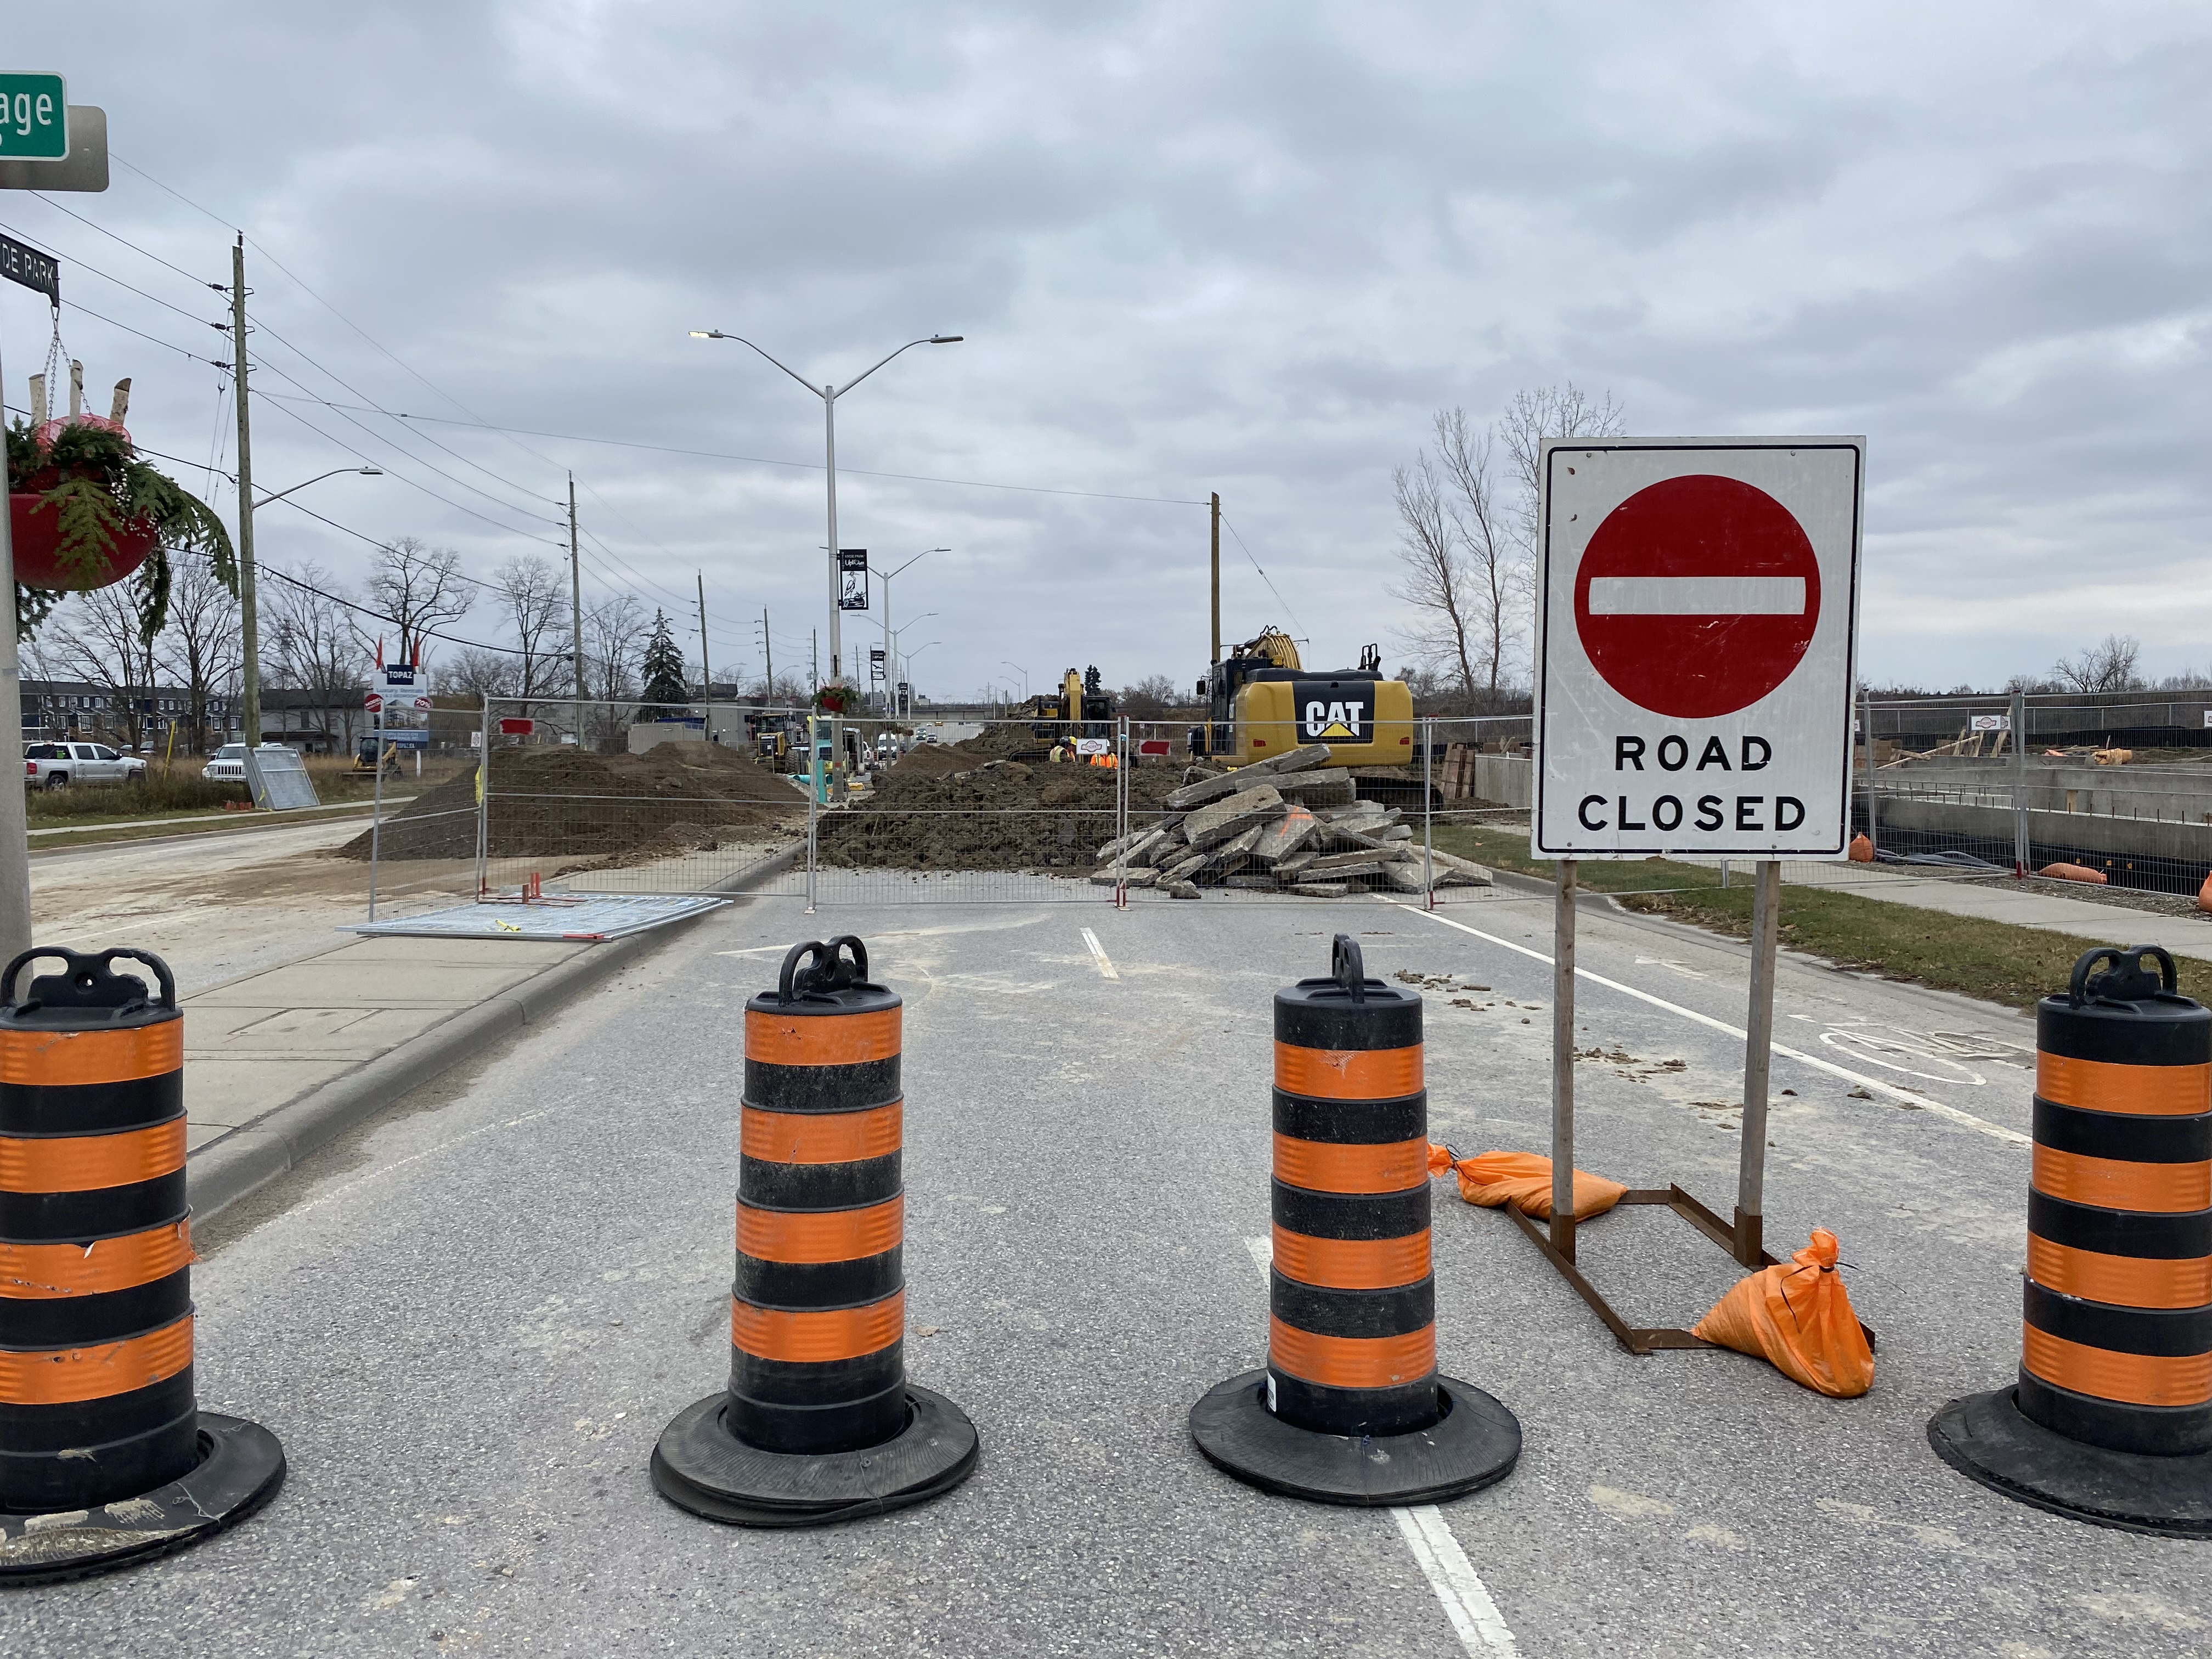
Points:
[(1994, 961)]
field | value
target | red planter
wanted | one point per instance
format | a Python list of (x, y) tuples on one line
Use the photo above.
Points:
[(37, 539)]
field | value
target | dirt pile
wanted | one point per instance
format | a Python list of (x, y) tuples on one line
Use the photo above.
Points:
[(966, 806), (615, 809)]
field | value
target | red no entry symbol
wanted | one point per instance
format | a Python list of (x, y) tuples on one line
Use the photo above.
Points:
[(1698, 597)]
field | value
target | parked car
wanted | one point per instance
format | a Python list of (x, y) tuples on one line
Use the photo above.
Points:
[(227, 764), (58, 765)]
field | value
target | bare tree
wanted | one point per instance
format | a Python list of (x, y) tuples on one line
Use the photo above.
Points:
[(1551, 411), (1152, 696), (534, 598), (314, 641), (476, 672), (99, 636), (2107, 665), (202, 647), (1435, 582), (419, 588), (1494, 555)]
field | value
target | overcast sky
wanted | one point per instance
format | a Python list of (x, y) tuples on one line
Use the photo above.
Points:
[(1193, 247)]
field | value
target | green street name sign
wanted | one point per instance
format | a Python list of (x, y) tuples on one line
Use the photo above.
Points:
[(34, 117)]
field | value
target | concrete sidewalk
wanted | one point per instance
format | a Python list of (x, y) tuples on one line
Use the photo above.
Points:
[(279, 1061), (2005, 900)]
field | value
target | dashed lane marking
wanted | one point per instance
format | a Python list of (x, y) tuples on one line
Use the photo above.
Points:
[(1459, 1588), (1098, 954), (1911, 1096)]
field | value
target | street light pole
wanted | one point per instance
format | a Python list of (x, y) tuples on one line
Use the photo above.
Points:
[(888, 630), (918, 650), (892, 649), (1022, 672), (828, 391)]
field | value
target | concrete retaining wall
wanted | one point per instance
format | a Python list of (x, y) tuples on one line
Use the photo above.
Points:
[(2186, 846)]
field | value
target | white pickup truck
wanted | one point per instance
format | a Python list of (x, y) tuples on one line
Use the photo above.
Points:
[(58, 765)]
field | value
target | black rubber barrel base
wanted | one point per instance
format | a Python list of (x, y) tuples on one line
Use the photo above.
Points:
[(241, 1467), (1474, 1445), (1986, 1437), (701, 1466)]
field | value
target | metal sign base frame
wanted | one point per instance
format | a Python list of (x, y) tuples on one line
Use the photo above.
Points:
[(1643, 1339)]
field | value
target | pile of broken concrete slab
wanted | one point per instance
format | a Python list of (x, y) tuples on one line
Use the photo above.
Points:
[(1292, 824)]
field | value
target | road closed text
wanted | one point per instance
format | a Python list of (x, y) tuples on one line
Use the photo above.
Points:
[(1750, 813)]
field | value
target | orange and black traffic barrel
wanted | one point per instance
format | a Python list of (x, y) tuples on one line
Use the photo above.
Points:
[(819, 1422), (105, 1456), (2111, 1420), (1351, 1348)]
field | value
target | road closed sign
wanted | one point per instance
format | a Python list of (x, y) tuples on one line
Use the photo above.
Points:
[(1697, 604)]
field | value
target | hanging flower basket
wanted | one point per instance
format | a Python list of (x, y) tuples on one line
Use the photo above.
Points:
[(34, 529), (834, 699), (85, 513)]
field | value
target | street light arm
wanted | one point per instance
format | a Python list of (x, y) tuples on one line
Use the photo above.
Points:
[(932, 339), (717, 334), (367, 471)]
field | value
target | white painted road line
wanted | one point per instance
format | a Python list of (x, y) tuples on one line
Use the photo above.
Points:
[(1465, 1598), (1098, 954), (1924, 1101)]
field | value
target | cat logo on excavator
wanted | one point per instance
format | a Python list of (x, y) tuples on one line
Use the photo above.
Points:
[(1334, 722)]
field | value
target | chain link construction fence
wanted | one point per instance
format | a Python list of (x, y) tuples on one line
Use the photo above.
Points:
[(835, 810)]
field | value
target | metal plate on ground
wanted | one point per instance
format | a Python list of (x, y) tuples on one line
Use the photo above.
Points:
[(279, 780), (570, 916)]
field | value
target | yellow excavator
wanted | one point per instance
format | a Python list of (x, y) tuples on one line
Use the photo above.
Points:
[(1262, 701), (1079, 708)]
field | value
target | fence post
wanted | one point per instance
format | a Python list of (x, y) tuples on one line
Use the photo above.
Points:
[(1124, 760), (483, 799), (1428, 813), (2019, 847), (1866, 707), (376, 809), (813, 787)]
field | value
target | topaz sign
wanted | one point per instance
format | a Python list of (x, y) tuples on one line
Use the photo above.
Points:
[(1696, 607)]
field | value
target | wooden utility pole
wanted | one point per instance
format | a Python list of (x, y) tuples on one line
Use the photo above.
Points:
[(1216, 657), (767, 650), (575, 601), (248, 615), (706, 671)]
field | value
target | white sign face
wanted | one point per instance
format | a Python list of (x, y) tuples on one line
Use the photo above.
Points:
[(1696, 611), (1094, 745), (400, 689), (1989, 723)]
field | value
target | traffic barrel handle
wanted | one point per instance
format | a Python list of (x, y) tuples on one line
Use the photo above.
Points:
[(836, 965), (2125, 982), (89, 982)]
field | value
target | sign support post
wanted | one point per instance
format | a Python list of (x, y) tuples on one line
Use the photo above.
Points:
[(1563, 1061), (70, 154), (1758, 1060)]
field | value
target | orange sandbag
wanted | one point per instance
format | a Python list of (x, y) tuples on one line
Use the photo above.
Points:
[(1861, 850), (1800, 1318), (2072, 872), (2204, 894), (1524, 1180)]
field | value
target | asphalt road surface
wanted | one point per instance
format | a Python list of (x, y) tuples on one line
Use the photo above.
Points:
[(468, 1322)]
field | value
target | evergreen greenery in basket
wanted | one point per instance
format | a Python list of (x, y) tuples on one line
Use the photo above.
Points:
[(94, 500)]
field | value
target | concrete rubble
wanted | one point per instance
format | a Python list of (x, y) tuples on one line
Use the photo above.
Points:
[(1289, 825)]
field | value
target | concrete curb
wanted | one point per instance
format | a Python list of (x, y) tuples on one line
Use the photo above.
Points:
[(228, 1170)]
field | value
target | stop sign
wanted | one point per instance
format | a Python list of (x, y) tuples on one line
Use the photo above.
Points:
[(1698, 596)]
